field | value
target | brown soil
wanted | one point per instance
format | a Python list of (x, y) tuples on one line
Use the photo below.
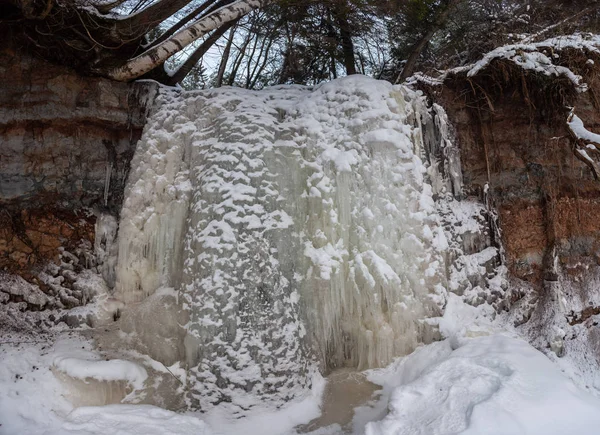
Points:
[(346, 389)]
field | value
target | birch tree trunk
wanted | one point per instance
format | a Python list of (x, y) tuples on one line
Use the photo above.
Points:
[(225, 59), (194, 15), (191, 61), (148, 60)]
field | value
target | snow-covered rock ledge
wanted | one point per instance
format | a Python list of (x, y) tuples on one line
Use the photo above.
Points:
[(102, 371), (542, 57)]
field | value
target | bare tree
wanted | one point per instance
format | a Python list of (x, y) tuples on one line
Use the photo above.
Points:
[(185, 68), (225, 58), (110, 38), (158, 54)]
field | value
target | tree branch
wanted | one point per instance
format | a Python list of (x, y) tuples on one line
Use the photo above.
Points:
[(155, 56), (225, 59), (438, 23), (191, 61), (181, 23), (139, 23)]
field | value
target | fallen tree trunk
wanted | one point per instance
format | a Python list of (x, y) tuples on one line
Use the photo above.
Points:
[(157, 55)]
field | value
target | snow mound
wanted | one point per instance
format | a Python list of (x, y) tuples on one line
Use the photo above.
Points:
[(104, 371), (487, 385), (134, 420)]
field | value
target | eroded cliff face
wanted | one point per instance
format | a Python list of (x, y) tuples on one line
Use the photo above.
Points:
[(516, 150), (65, 146)]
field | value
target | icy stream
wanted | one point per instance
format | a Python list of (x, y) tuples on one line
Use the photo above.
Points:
[(297, 229)]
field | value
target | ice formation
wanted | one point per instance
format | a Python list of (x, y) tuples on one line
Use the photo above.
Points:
[(113, 370), (297, 226)]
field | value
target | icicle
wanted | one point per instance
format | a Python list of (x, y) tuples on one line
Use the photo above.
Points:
[(105, 247), (493, 221), (109, 167)]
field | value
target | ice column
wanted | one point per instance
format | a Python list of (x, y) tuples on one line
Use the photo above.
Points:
[(297, 226), (371, 235), (156, 204)]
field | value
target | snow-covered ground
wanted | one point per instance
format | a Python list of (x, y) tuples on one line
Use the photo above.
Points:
[(483, 386), (36, 399), (482, 379)]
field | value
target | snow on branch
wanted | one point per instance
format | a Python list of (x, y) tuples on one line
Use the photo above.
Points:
[(153, 57), (579, 131), (586, 142)]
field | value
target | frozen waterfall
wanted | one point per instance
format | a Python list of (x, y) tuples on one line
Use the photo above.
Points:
[(297, 226)]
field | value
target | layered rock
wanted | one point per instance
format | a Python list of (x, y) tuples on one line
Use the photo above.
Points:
[(66, 142), (518, 156)]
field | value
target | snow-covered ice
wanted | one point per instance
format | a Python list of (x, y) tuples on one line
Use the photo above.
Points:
[(35, 401), (112, 370), (296, 225)]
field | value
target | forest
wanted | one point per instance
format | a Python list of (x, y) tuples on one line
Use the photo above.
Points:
[(253, 44)]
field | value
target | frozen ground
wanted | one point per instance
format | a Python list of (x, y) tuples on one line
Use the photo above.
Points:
[(480, 380), (35, 399)]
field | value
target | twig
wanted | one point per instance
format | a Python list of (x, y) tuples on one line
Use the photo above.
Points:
[(182, 384)]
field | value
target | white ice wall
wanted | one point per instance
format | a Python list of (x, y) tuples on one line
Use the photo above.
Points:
[(297, 225)]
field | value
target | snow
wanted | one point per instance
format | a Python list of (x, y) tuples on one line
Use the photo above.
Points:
[(527, 57), (477, 381), (13, 285), (268, 422), (35, 401), (132, 419), (540, 57), (113, 370), (482, 379), (267, 234), (485, 385), (30, 398), (576, 125), (585, 155)]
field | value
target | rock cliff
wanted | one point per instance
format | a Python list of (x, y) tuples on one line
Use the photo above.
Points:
[(65, 146)]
